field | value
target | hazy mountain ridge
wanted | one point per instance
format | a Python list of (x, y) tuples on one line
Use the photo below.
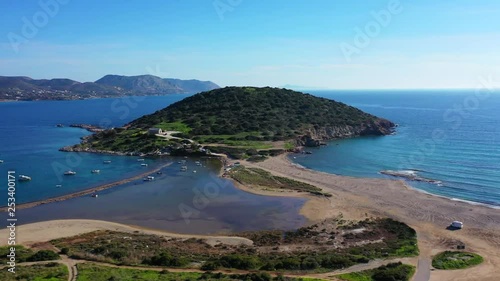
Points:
[(26, 88)]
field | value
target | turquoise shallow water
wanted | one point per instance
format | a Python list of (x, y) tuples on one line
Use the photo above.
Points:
[(448, 136)]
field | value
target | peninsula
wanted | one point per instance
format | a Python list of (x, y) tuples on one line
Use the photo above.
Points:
[(241, 122)]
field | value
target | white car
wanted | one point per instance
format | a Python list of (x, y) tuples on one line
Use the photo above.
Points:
[(457, 224)]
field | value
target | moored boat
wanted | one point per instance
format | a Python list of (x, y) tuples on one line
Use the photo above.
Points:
[(24, 178), (149, 178), (106, 161), (95, 171), (69, 173), (144, 164)]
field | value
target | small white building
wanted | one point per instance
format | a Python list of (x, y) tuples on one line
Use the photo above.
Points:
[(155, 131)]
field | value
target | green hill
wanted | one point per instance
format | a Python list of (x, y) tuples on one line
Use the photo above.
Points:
[(245, 117)]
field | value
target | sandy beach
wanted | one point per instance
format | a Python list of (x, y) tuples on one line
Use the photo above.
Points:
[(354, 198), (357, 198)]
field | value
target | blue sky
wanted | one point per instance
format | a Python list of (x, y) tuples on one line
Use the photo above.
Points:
[(418, 44)]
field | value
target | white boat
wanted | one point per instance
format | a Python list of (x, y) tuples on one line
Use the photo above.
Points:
[(144, 164), (194, 171), (24, 178), (184, 168), (198, 163), (149, 178), (457, 224), (58, 185), (94, 195), (95, 171), (1, 161), (140, 159), (69, 173), (106, 161)]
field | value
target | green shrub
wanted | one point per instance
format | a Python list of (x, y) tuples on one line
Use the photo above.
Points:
[(44, 255), (456, 260)]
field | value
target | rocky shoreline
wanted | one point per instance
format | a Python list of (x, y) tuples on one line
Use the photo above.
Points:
[(318, 136), (90, 128)]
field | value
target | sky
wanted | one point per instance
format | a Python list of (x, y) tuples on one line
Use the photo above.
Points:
[(322, 44)]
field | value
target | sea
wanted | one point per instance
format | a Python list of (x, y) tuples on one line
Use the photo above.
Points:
[(450, 138)]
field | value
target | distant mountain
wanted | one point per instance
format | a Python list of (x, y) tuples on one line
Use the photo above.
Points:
[(26, 88)]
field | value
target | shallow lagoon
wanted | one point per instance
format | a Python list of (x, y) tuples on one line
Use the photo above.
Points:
[(184, 202)]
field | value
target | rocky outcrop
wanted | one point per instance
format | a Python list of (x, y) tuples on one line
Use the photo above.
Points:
[(317, 136)]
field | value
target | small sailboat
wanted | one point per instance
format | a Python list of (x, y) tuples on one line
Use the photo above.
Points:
[(24, 178), (95, 171), (106, 161), (69, 173)]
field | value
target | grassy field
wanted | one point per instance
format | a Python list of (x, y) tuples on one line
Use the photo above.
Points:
[(248, 140), (47, 272), (173, 126), (263, 179), (92, 272), (393, 271), (456, 260)]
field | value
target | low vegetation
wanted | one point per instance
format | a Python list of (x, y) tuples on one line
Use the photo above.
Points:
[(390, 272), (275, 113), (259, 178), (27, 255), (92, 272), (456, 260), (39, 272), (332, 244)]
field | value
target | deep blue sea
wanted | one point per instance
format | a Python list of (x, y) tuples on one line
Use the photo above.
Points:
[(448, 136)]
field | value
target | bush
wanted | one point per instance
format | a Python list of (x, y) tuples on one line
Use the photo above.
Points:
[(44, 255), (455, 260), (165, 259)]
